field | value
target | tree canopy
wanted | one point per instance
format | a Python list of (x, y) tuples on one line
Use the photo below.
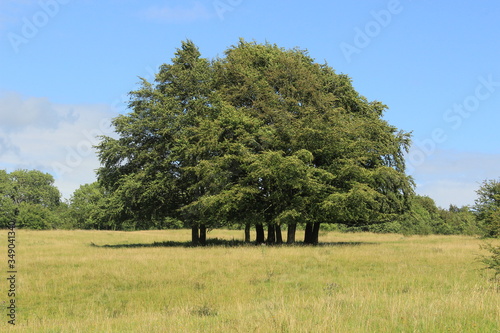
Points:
[(488, 206), (28, 198), (262, 136)]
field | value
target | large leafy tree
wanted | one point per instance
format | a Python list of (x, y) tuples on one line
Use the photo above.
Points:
[(262, 136), (352, 165), (148, 168)]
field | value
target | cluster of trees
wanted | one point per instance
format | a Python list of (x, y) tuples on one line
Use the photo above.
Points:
[(263, 137)]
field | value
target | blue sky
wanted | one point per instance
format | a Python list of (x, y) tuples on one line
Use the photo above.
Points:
[(66, 67)]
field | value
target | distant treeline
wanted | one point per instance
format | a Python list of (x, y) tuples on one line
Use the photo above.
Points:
[(30, 198)]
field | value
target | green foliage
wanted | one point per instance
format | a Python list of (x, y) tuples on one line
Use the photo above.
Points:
[(425, 218), (29, 198), (488, 207), (62, 217), (7, 206), (147, 170), (88, 207), (35, 216), (33, 186), (461, 221), (492, 261)]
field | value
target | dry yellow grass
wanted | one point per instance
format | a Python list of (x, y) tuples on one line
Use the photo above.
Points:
[(356, 283)]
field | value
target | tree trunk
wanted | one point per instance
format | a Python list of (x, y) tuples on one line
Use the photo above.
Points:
[(259, 229), (195, 237), (271, 234), (247, 233), (203, 234), (290, 237), (315, 233), (308, 233), (279, 236)]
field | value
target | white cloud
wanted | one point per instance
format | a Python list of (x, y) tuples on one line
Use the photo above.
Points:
[(17, 112), (178, 14), (452, 177), (53, 138), (7, 147), (448, 191)]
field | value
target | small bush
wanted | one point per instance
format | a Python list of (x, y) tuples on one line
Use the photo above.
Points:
[(492, 261)]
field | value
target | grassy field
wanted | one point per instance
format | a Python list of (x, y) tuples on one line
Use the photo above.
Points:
[(68, 281)]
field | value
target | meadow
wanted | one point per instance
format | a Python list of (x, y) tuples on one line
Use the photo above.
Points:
[(103, 281)]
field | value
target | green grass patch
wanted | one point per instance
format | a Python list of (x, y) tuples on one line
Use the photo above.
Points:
[(153, 281)]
